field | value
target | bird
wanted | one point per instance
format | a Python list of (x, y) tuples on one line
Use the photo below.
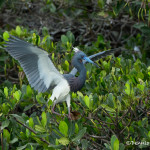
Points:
[(43, 75)]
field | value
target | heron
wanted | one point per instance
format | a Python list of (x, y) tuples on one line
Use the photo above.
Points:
[(43, 75)]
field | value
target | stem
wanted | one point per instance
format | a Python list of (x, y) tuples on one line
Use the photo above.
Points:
[(43, 140)]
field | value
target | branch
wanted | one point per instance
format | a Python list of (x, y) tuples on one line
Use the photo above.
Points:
[(32, 131)]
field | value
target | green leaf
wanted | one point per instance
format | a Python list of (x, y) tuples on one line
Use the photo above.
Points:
[(18, 30), (114, 143), (52, 8), (63, 128), (87, 101), (63, 141), (13, 141), (29, 91), (141, 87), (44, 119), (108, 108), (5, 36), (39, 128), (31, 123), (3, 58), (121, 146), (17, 95), (5, 124), (64, 39), (84, 144), (19, 118), (6, 135), (22, 147), (70, 37), (40, 98), (6, 92), (128, 89), (67, 65), (110, 101), (79, 135), (76, 128), (27, 133)]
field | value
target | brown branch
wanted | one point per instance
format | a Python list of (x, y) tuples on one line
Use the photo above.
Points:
[(43, 140)]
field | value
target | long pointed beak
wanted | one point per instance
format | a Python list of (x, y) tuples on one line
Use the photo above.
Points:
[(90, 61)]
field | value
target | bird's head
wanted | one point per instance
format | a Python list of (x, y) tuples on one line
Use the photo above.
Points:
[(80, 57)]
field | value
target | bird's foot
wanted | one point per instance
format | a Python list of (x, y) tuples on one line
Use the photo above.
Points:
[(69, 116), (54, 112)]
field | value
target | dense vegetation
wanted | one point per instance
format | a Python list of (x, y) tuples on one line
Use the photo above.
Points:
[(112, 110)]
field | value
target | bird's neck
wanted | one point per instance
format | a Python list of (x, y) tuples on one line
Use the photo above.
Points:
[(82, 73)]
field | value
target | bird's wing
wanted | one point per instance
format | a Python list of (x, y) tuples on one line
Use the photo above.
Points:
[(96, 57), (39, 69)]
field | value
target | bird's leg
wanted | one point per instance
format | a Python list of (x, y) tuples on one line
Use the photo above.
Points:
[(68, 105), (69, 114), (53, 109)]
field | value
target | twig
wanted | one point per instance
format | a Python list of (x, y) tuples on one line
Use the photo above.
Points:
[(32, 131)]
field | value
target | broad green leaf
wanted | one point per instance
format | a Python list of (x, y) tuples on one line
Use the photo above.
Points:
[(19, 118), (53, 56), (63, 141), (6, 92), (52, 8), (29, 91), (40, 128), (80, 94), (67, 65), (110, 100), (22, 147), (148, 134), (40, 98), (64, 39), (44, 119), (27, 133), (76, 128), (31, 123), (84, 144), (141, 87), (45, 31), (70, 37), (63, 128), (13, 141), (17, 95), (114, 143), (18, 30), (108, 108), (5, 36), (5, 124), (128, 89), (87, 101), (5, 108), (6, 135), (79, 135), (121, 146)]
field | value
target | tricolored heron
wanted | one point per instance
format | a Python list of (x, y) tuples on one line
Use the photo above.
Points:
[(42, 74)]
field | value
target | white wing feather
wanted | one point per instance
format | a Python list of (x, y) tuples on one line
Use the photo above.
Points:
[(38, 67)]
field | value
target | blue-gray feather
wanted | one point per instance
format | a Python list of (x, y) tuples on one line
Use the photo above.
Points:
[(40, 71), (76, 83)]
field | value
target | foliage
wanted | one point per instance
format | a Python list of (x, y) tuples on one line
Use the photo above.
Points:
[(114, 101), (111, 111)]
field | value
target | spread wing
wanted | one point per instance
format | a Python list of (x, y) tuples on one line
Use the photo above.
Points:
[(39, 69)]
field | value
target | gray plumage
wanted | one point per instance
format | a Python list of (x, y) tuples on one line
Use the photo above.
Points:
[(31, 58)]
